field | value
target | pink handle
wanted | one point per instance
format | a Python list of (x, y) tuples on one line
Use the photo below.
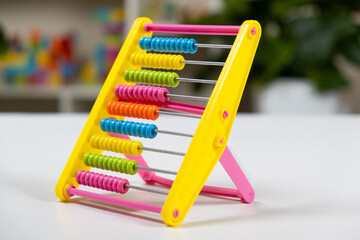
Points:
[(192, 29)]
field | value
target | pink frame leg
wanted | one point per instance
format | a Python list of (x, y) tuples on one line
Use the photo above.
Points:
[(244, 190)]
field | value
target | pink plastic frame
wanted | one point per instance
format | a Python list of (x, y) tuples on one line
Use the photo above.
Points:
[(192, 29)]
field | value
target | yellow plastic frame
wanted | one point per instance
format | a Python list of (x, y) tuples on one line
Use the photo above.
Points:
[(98, 112), (210, 137), (213, 131)]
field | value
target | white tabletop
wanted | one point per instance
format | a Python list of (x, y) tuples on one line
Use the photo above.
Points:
[(305, 172)]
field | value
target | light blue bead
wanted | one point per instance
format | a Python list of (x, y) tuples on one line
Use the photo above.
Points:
[(193, 48), (141, 43), (152, 131), (112, 124), (177, 45), (103, 123)]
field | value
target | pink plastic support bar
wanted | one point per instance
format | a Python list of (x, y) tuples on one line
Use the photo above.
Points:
[(71, 191), (192, 29), (243, 191), (246, 192), (182, 107), (225, 192)]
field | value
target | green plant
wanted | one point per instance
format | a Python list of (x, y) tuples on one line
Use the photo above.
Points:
[(300, 38)]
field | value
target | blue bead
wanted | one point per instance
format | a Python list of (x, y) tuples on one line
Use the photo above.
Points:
[(103, 123), (112, 125), (178, 45), (173, 45), (145, 43), (107, 125), (123, 127), (193, 47), (160, 44), (167, 45), (153, 44), (152, 132), (184, 46), (148, 43), (131, 129), (139, 129), (141, 43), (118, 127)]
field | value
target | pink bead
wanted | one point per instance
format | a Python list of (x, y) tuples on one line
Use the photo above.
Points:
[(117, 91), (92, 181), (141, 93), (97, 180)]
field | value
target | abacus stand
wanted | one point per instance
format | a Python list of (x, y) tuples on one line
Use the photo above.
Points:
[(208, 145), (244, 190)]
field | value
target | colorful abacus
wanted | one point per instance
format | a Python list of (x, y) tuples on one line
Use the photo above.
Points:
[(107, 130)]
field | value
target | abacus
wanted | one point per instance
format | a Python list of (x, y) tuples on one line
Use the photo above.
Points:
[(106, 128)]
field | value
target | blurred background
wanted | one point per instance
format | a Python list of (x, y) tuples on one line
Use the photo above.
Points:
[(55, 55)]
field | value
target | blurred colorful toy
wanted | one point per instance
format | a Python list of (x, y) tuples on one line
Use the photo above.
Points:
[(112, 23), (42, 61)]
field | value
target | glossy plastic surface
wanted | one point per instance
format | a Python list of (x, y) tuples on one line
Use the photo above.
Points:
[(156, 78), (130, 128), (192, 29), (174, 45), (211, 136), (98, 111), (115, 164), (208, 144)]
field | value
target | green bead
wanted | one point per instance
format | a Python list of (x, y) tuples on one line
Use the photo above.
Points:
[(86, 159), (131, 169), (115, 164), (157, 78)]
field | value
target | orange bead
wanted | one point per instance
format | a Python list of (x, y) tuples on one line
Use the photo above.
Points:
[(134, 110)]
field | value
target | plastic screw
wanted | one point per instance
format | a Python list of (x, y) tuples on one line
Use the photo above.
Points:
[(225, 114), (176, 213), (253, 30)]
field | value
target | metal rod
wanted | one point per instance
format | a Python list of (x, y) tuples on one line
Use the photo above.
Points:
[(189, 97), (204, 45), (195, 62), (179, 114), (174, 133), (196, 80), (146, 189), (193, 80), (156, 170), (162, 151)]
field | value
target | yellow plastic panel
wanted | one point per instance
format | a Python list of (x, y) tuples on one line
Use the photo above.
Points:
[(213, 131), (98, 112)]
